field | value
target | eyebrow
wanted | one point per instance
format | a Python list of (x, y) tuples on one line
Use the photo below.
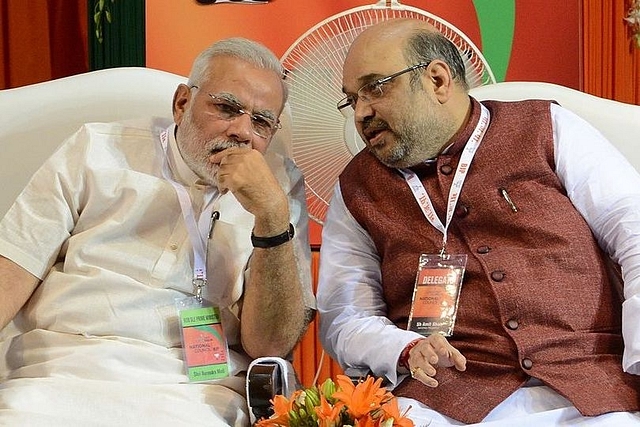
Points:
[(371, 77), (364, 80), (233, 99), (229, 97), (267, 114)]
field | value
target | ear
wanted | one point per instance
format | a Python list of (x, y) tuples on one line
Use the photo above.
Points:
[(439, 75), (181, 98)]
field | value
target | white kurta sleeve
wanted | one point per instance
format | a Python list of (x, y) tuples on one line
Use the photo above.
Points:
[(605, 189), (353, 324)]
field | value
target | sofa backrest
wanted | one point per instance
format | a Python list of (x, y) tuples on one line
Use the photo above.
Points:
[(619, 122)]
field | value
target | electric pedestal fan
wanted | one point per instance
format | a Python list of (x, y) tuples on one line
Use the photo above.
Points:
[(324, 139)]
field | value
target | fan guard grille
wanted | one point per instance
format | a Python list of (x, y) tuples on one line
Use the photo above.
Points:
[(324, 139)]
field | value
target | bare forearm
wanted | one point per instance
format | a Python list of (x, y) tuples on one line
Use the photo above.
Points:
[(273, 309), (16, 286), (273, 313)]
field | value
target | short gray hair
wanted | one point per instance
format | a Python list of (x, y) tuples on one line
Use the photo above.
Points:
[(426, 45), (241, 48)]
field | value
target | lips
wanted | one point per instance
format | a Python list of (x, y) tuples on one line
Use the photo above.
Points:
[(376, 140), (373, 132)]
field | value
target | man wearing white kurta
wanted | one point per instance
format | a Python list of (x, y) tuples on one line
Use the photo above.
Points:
[(97, 250)]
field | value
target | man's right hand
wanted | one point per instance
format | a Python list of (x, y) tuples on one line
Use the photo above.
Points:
[(432, 352)]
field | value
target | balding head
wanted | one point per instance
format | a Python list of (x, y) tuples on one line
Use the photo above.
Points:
[(409, 40), (394, 31), (406, 84)]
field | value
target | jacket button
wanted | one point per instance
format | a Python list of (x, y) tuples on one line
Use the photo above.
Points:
[(483, 249), (497, 276), (527, 363), (462, 211), (512, 324), (446, 169)]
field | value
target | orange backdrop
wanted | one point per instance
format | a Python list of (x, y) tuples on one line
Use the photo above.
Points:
[(178, 30), (546, 40)]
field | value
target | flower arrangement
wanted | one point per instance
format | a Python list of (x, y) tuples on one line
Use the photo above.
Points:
[(365, 404), (633, 19)]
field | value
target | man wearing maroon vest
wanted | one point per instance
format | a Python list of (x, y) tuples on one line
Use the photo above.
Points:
[(546, 212)]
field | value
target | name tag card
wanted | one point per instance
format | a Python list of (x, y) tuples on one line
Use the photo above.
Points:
[(436, 293), (203, 342)]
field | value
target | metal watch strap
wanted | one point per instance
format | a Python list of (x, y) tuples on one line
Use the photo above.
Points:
[(270, 242)]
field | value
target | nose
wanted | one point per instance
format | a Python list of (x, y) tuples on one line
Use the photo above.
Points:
[(362, 110), (240, 128)]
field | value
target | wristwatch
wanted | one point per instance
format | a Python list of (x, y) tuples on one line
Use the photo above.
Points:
[(273, 241)]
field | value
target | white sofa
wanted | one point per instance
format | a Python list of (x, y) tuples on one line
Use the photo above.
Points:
[(618, 121), (35, 119)]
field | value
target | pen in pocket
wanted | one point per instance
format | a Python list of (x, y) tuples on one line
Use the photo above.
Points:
[(214, 217), (506, 196)]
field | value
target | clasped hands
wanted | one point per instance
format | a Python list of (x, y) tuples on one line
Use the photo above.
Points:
[(430, 353)]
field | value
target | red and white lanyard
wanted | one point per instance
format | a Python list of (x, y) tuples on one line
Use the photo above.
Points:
[(200, 230), (420, 193)]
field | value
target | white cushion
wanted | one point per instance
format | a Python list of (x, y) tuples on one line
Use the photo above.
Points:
[(35, 119), (619, 122)]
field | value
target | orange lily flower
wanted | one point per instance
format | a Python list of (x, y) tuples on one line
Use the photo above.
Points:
[(281, 408), (362, 398), (392, 411), (328, 416), (366, 421), (364, 404)]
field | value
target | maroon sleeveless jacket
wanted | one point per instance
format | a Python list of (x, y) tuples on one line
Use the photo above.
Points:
[(536, 300)]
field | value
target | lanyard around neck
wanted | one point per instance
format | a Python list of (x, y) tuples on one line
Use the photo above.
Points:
[(420, 193), (199, 231)]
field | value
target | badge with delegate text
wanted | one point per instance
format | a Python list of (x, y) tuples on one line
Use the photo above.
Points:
[(436, 293), (206, 353)]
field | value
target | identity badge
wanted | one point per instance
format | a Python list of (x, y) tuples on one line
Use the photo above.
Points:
[(436, 293), (206, 353)]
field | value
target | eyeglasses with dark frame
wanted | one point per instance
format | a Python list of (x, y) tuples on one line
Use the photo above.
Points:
[(226, 109), (373, 90)]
